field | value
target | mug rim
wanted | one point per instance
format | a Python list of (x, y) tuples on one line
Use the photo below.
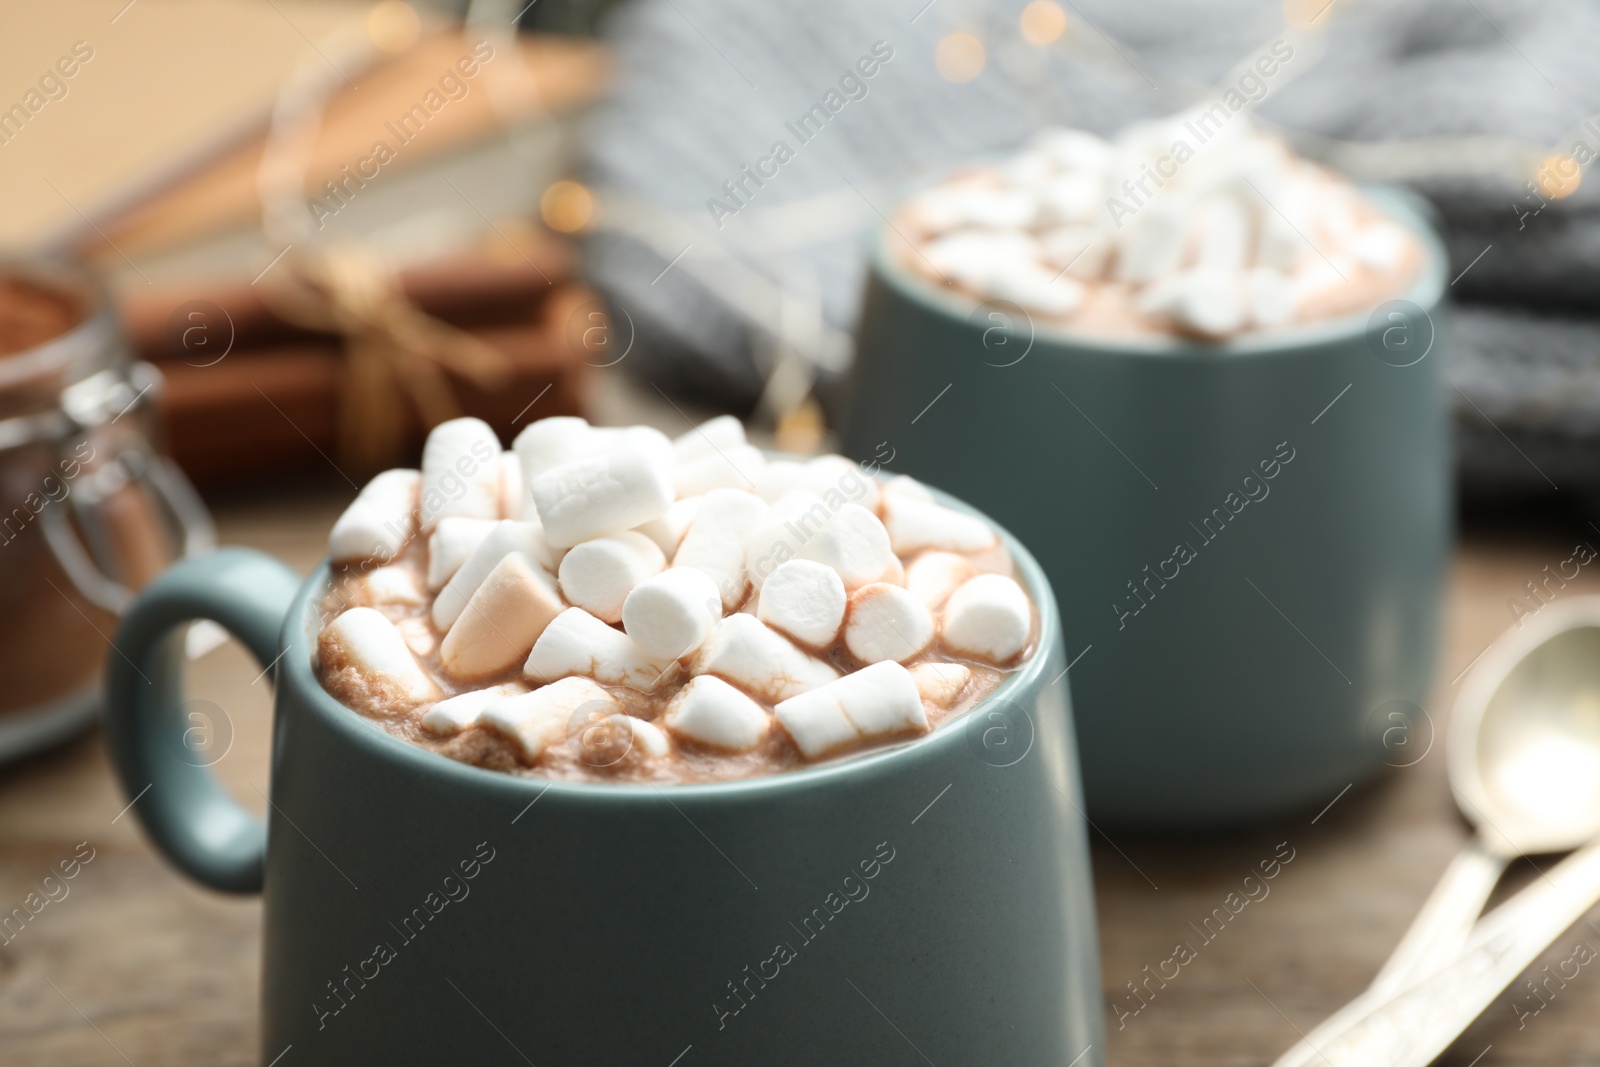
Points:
[(297, 642), (1398, 203)]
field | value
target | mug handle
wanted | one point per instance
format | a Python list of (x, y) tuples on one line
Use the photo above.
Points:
[(200, 827)]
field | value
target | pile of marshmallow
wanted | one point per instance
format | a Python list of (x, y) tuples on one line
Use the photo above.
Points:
[(1212, 237), (772, 595)]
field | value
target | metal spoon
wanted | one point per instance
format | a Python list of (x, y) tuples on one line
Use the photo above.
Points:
[(1524, 763)]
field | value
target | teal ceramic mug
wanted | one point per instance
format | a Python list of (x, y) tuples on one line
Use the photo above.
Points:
[(929, 900), (1248, 541)]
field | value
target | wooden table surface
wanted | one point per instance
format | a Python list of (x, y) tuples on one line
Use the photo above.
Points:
[(136, 964)]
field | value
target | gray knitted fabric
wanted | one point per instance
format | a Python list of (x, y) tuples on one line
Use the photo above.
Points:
[(706, 88)]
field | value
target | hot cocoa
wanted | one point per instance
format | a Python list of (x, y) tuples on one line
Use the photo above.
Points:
[(1182, 226), (610, 605)]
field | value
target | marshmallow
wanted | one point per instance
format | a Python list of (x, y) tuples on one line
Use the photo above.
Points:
[(511, 486), (668, 530), (969, 204), (940, 684), (600, 494), (394, 585), (914, 525), (1381, 246), (534, 721), (745, 651), (500, 624), (605, 740), (832, 479), (598, 575), (506, 537), (450, 717), (852, 542), (578, 643), (886, 622), (1207, 301), (709, 438), (671, 614), (873, 702), (460, 472), (903, 486), (896, 573), (715, 542), (988, 618), (1072, 197), (728, 468), (1222, 229), (1152, 243), (451, 542), (1029, 285), (717, 715), (380, 520), (1080, 251), (933, 576), (364, 641), (972, 257), (804, 600), (549, 443), (1272, 298)]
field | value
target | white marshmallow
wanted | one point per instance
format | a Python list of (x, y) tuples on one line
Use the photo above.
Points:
[(1079, 250), (506, 537), (940, 684), (598, 575), (854, 543), (549, 443), (449, 717), (460, 472), (933, 576), (903, 486), (394, 585), (886, 622), (747, 652), (732, 467), (371, 645), (511, 486), (671, 614), (896, 573), (380, 520), (805, 600), (1272, 298), (648, 738), (1208, 301), (838, 480), (915, 525), (500, 624), (1072, 197), (988, 618), (668, 530), (601, 494), (451, 542), (544, 717), (605, 740), (875, 701), (578, 643), (1030, 285), (709, 438), (1222, 229), (1381, 246), (715, 542), (951, 206), (1152, 243), (973, 257), (715, 714)]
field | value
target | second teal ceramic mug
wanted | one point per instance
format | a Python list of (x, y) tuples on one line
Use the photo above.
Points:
[(1248, 541), (926, 901)]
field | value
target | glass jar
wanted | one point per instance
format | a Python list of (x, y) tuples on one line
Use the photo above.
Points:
[(89, 511)]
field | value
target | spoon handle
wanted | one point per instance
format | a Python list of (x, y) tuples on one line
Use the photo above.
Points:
[(1441, 929), (1411, 1029)]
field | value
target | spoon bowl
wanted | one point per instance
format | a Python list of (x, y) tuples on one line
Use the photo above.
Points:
[(1524, 744)]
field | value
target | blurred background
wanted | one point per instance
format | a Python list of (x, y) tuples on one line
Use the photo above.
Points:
[(303, 231)]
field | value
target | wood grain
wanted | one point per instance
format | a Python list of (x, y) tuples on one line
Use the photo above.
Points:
[(169, 974)]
